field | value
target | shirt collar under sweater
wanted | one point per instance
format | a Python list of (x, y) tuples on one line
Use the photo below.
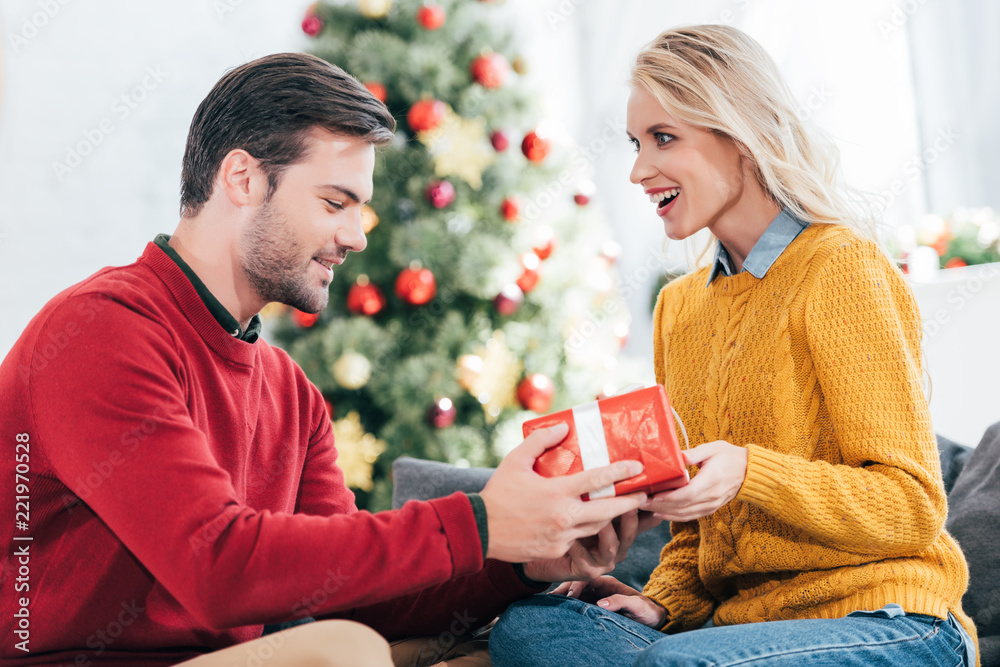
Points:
[(778, 236), (219, 312)]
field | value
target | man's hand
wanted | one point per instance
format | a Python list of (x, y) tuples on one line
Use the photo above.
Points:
[(723, 469), (611, 594), (530, 517), (590, 557)]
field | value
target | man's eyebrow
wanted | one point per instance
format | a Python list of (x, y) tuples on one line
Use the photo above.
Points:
[(347, 192)]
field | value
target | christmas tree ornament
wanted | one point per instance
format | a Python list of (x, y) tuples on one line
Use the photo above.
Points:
[(415, 285), (352, 370), (442, 414), (459, 148), (489, 70), (520, 65), (529, 275), (357, 451), (500, 141), (406, 210), (273, 311), (369, 219), (440, 194), (312, 25), (534, 146), (584, 191), (364, 298), (374, 9), (467, 370), (621, 332), (426, 114), (528, 280), (378, 90), (495, 387), (610, 252), (510, 209), (508, 300), (431, 16), (304, 320), (545, 242), (535, 392)]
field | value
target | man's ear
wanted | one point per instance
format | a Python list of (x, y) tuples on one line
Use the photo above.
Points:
[(241, 179)]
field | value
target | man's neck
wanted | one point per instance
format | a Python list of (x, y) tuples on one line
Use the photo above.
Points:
[(213, 256)]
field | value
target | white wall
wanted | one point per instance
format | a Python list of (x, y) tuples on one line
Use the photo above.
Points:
[(62, 90)]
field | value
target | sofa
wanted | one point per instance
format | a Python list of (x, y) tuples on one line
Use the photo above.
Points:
[(971, 479)]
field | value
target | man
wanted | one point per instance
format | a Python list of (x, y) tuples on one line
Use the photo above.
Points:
[(181, 473)]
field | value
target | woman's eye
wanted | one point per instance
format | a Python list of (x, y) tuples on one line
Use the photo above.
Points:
[(635, 144), (662, 139)]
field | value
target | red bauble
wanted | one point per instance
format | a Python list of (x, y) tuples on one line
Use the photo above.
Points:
[(426, 115), (955, 262), (581, 199), (535, 392), (416, 286), (304, 320), (546, 242), (442, 414), (431, 16), (329, 408), (528, 280), (510, 209), (365, 298), (489, 70), (500, 141), (312, 25), (440, 194), (508, 300), (534, 147), (378, 90)]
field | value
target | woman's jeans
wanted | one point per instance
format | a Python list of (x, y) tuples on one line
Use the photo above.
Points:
[(553, 630)]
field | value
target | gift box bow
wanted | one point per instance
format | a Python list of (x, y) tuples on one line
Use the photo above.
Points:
[(637, 425)]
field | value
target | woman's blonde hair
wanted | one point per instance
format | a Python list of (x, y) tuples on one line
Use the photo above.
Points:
[(719, 78)]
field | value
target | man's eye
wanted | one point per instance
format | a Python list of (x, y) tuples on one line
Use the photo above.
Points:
[(334, 205)]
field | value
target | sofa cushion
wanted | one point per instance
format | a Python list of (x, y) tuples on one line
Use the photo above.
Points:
[(974, 520), (953, 458)]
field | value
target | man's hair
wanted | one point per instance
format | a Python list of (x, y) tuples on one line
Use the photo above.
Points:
[(268, 107)]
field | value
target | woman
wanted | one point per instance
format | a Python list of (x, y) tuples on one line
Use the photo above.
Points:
[(813, 531)]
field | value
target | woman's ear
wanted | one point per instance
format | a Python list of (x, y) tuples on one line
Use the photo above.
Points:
[(241, 179)]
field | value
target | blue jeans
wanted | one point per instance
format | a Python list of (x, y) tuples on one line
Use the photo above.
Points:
[(553, 630)]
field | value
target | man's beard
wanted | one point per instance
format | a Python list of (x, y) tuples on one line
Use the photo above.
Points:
[(272, 261)]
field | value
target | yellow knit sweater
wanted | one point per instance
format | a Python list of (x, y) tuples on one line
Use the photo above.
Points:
[(815, 369)]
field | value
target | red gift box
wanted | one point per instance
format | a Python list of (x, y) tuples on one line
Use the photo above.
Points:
[(637, 425)]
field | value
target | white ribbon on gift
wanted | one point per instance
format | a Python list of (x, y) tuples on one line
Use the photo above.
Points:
[(593, 445)]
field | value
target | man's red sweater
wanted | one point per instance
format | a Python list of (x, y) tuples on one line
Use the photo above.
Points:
[(184, 491)]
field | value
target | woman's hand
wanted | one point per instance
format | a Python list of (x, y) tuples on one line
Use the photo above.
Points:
[(723, 469), (590, 557), (611, 594)]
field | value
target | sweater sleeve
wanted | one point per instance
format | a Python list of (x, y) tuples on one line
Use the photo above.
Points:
[(322, 490), (171, 504), (886, 497), (675, 583)]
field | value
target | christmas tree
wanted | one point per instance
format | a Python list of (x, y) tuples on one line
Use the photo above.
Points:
[(487, 291)]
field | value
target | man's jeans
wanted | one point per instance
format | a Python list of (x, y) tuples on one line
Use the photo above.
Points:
[(553, 630)]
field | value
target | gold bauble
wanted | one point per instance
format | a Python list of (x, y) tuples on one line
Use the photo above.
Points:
[(369, 219), (352, 370), (374, 9), (470, 366)]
